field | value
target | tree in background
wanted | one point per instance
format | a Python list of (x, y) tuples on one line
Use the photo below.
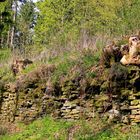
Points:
[(129, 13), (5, 23), (65, 19), (16, 22), (25, 23)]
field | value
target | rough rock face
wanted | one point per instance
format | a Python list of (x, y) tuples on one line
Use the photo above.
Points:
[(134, 98), (8, 104), (113, 93), (19, 65), (75, 105), (132, 57)]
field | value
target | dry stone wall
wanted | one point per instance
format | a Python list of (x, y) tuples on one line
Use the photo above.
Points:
[(8, 104), (115, 95)]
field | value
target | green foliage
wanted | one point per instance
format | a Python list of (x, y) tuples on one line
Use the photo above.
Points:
[(45, 128), (33, 50), (25, 21), (6, 20), (63, 66), (3, 5), (4, 55), (114, 134), (129, 16), (26, 15), (5, 69), (90, 58), (50, 129), (29, 68), (65, 20), (66, 61), (6, 74), (91, 75), (57, 21)]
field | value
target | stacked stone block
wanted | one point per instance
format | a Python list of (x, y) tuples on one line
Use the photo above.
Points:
[(134, 107), (70, 93), (8, 105)]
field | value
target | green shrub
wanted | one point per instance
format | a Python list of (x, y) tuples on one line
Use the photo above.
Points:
[(29, 68), (4, 55), (50, 129), (6, 74), (90, 58), (62, 69)]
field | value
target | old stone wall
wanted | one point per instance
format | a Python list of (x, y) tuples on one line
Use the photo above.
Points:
[(114, 94)]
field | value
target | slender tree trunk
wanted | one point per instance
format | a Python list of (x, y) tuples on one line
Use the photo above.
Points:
[(2, 41), (12, 37), (8, 37), (0, 30), (13, 27)]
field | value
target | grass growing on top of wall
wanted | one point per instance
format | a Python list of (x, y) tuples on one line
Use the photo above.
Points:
[(4, 55)]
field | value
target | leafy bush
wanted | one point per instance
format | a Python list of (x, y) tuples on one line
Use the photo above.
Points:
[(6, 74), (90, 58), (29, 68), (4, 55)]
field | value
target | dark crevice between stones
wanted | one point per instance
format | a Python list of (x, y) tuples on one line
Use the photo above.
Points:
[(1, 100), (137, 85), (16, 104)]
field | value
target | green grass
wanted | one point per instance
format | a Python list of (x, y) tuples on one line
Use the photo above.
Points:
[(90, 58), (116, 134), (49, 129), (29, 68), (65, 62), (4, 55), (62, 70), (46, 128), (6, 74)]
